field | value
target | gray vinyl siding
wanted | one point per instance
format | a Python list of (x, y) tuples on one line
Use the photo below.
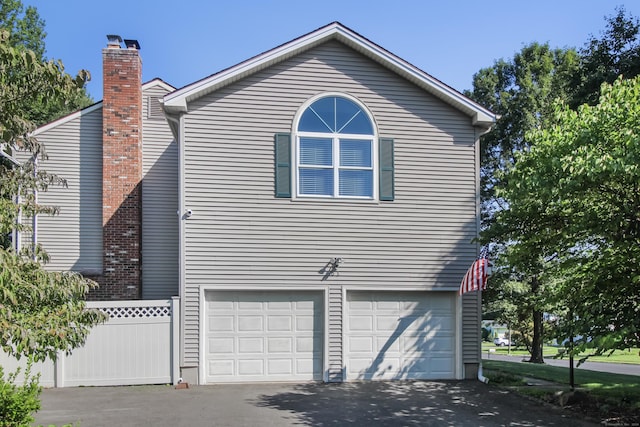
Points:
[(470, 327), (159, 204), (241, 235), (334, 339), (73, 239)]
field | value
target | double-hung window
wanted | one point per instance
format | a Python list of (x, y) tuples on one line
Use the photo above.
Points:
[(335, 153)]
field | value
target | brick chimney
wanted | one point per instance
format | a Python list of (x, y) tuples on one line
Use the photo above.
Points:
[(121, 171)]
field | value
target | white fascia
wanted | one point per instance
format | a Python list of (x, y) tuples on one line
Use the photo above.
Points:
[(177, 101), (158, 82), (480, 116), (67, 118)]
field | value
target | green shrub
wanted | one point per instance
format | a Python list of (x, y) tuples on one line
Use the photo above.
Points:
[(18, 402)]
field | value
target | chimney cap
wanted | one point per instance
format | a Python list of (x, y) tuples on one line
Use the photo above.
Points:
[(132, 44), (113, 40)]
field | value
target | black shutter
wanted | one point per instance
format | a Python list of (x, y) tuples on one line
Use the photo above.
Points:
[(282, 161), (385, 147)]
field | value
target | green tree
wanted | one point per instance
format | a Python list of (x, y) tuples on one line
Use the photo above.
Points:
[(41, 312), (26, 33), (615, 53), (25, 27), (574, 200), (521, 91)]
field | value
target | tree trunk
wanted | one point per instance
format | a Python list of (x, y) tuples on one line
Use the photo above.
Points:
[(536, 345)]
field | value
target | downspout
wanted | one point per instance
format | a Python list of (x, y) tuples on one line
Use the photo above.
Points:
[(34, 225), (177, 128), (16, 236), (481, 377)]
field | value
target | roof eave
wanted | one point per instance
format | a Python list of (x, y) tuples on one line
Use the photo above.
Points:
[(178, 101)]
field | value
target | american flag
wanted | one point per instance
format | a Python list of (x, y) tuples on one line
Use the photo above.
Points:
[(477, 274)]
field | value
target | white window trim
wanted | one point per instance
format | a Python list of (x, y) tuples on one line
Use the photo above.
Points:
[(295, 151)]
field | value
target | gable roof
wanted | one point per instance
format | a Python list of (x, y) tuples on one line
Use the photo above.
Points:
[(177, 101), (95, 106)]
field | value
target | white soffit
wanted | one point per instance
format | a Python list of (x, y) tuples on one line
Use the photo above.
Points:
[(177, 101)]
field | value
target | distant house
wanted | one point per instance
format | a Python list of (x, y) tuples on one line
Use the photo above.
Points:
[(313, 207)]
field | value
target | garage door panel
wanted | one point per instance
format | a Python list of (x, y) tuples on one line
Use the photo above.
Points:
[(221, 368), (221, 324), (307, 345), (361, 323), (387, 323), (359, 304), (251, 367), (221, 305), (361, 344), (443, 344), (305, 323), (427, 343), (441, 365), (359, 366), (306, 305), (249, 345), (400, 335), (279, 367), (406, 324), (264, 336), (279, 305), (250, 323), (420, 364), (222, 345), (442, 322), (280, 345), (249, 305), (388, 346), (388, 305), (279, 323), (412, 306)]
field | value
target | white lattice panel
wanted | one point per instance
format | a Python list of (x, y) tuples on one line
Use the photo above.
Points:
[(136, 312)]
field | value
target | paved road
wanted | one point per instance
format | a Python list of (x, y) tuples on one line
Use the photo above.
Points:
[(418, 403), (614, 368)]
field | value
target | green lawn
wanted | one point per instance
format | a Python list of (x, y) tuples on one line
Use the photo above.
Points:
[(609, 392), (619, 356)]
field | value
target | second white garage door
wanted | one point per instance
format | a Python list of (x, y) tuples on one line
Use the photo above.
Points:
[(400, 335), (264, 336)]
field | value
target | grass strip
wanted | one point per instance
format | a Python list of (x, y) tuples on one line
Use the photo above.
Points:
[(631, 356), (622, 388)]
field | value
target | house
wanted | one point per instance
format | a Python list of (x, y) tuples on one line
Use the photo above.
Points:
[(313, 207)]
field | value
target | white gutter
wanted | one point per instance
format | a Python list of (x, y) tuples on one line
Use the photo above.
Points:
[(34, 224)]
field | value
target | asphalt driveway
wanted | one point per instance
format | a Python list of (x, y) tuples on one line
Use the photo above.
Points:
[(419, 403)]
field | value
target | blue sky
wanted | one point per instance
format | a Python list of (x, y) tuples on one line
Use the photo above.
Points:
[(183, 41)]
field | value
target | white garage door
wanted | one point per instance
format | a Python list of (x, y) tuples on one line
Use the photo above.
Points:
[(264, 336), (400, 335)]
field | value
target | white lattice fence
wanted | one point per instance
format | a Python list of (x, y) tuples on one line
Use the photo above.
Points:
[(137, 345)]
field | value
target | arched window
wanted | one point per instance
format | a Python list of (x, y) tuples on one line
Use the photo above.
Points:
[(335, 150)]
